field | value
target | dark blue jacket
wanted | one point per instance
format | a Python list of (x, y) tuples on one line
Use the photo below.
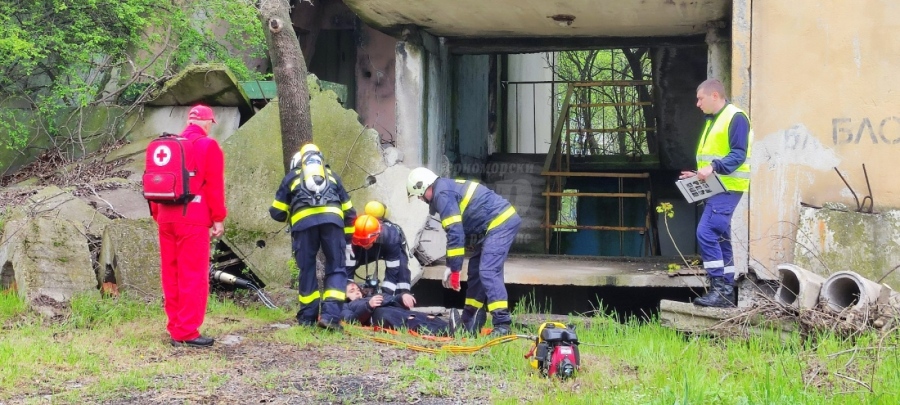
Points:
[(465, 208), (390, 247), (289, 204), (359, 310)]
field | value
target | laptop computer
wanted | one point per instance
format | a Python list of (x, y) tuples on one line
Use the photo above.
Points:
[(693, 189)]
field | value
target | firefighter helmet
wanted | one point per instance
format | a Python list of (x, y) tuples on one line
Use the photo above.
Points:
[(418, 181), (365, 231), (376, 209), (297, 159)]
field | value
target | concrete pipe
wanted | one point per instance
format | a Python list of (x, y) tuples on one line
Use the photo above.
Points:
[(797, 287), (847, 289)]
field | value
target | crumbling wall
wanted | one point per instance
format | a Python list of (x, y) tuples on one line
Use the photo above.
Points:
[(254, 170), (833, 239), (819, 101)]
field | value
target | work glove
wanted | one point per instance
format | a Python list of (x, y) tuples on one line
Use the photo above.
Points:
[(349, 257), (451, 279)]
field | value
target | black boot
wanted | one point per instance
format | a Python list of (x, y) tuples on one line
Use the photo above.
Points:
[(720, 294), (473, 319)]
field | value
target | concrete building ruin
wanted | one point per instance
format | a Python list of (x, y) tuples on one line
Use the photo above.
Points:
[(808, 73)]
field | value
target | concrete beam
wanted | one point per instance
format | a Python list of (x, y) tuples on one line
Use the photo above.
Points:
[(480, 45), (687, 317)]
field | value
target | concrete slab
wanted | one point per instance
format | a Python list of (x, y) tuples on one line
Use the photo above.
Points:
[(687, 317), (585, 271), (211, 84)]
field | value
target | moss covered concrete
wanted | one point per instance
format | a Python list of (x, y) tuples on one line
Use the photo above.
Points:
[(254, 170), (48, 256), (829, 241), (97, 127), (212, 84), (130, 254)]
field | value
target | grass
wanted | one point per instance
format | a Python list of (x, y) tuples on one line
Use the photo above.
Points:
[(109, 349)]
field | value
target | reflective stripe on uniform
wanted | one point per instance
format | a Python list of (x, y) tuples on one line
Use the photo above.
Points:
[(469, 193), (389, 285), (730, 269), (278, 205), (305, 212), (742, 172), (392, 263), (451, 220), (347, 205), (456, 252), (404, 286), (502, 217), (715, 264), (472, 302), (714, 144), (349, 229), (308, 299), (335, 294), (497, 305)]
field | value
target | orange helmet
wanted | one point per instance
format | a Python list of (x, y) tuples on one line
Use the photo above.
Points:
[(366, 230)]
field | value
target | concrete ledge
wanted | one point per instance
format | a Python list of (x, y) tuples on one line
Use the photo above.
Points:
[(584, 271)]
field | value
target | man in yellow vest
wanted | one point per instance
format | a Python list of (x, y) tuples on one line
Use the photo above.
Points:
[(724, 149)]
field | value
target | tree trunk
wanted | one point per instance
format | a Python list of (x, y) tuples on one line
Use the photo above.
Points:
[(290, 72)]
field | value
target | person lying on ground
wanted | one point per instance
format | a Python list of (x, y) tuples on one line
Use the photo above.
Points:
[(388, 311)]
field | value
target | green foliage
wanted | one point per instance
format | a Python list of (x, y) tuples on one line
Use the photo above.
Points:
[(63, 55), (10, 305), (626, 111), (666, 208), (120, 352), (89, 311)]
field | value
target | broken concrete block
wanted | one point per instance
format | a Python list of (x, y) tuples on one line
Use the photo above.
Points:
[(118, 198), (210, 84), (53, 202), (254, 170), (47, 256), (687, 317), (829, 240), (129, 255)]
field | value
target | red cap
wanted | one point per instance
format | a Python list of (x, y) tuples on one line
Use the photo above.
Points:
[(202, 113)]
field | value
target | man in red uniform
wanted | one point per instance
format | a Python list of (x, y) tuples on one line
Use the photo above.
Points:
[(185, 231)]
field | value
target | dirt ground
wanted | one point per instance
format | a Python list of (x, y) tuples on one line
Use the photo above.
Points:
[(302, 381)]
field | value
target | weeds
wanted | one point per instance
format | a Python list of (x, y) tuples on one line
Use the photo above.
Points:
[(117, 350)]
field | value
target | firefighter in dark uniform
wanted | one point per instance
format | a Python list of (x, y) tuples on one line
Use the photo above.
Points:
[(375, 240), (314, 200), (467, 208)]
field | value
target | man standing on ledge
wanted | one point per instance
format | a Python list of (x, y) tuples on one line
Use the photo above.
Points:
[(724, 149), (185, 231)]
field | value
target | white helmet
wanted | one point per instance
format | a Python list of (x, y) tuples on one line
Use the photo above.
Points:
[(418, 181), (296, 159)]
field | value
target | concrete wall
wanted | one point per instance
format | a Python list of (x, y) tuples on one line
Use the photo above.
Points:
[(375, 82), (467, 148), (423, 101), (821, 98), (94, 127), (830, 240), (529, 117)]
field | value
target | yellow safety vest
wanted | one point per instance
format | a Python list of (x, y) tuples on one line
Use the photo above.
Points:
[(714, 145)]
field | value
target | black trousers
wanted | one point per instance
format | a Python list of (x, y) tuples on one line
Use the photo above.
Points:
[(396, 318)]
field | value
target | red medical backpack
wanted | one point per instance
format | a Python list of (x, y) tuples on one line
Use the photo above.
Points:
[(169, 168)]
